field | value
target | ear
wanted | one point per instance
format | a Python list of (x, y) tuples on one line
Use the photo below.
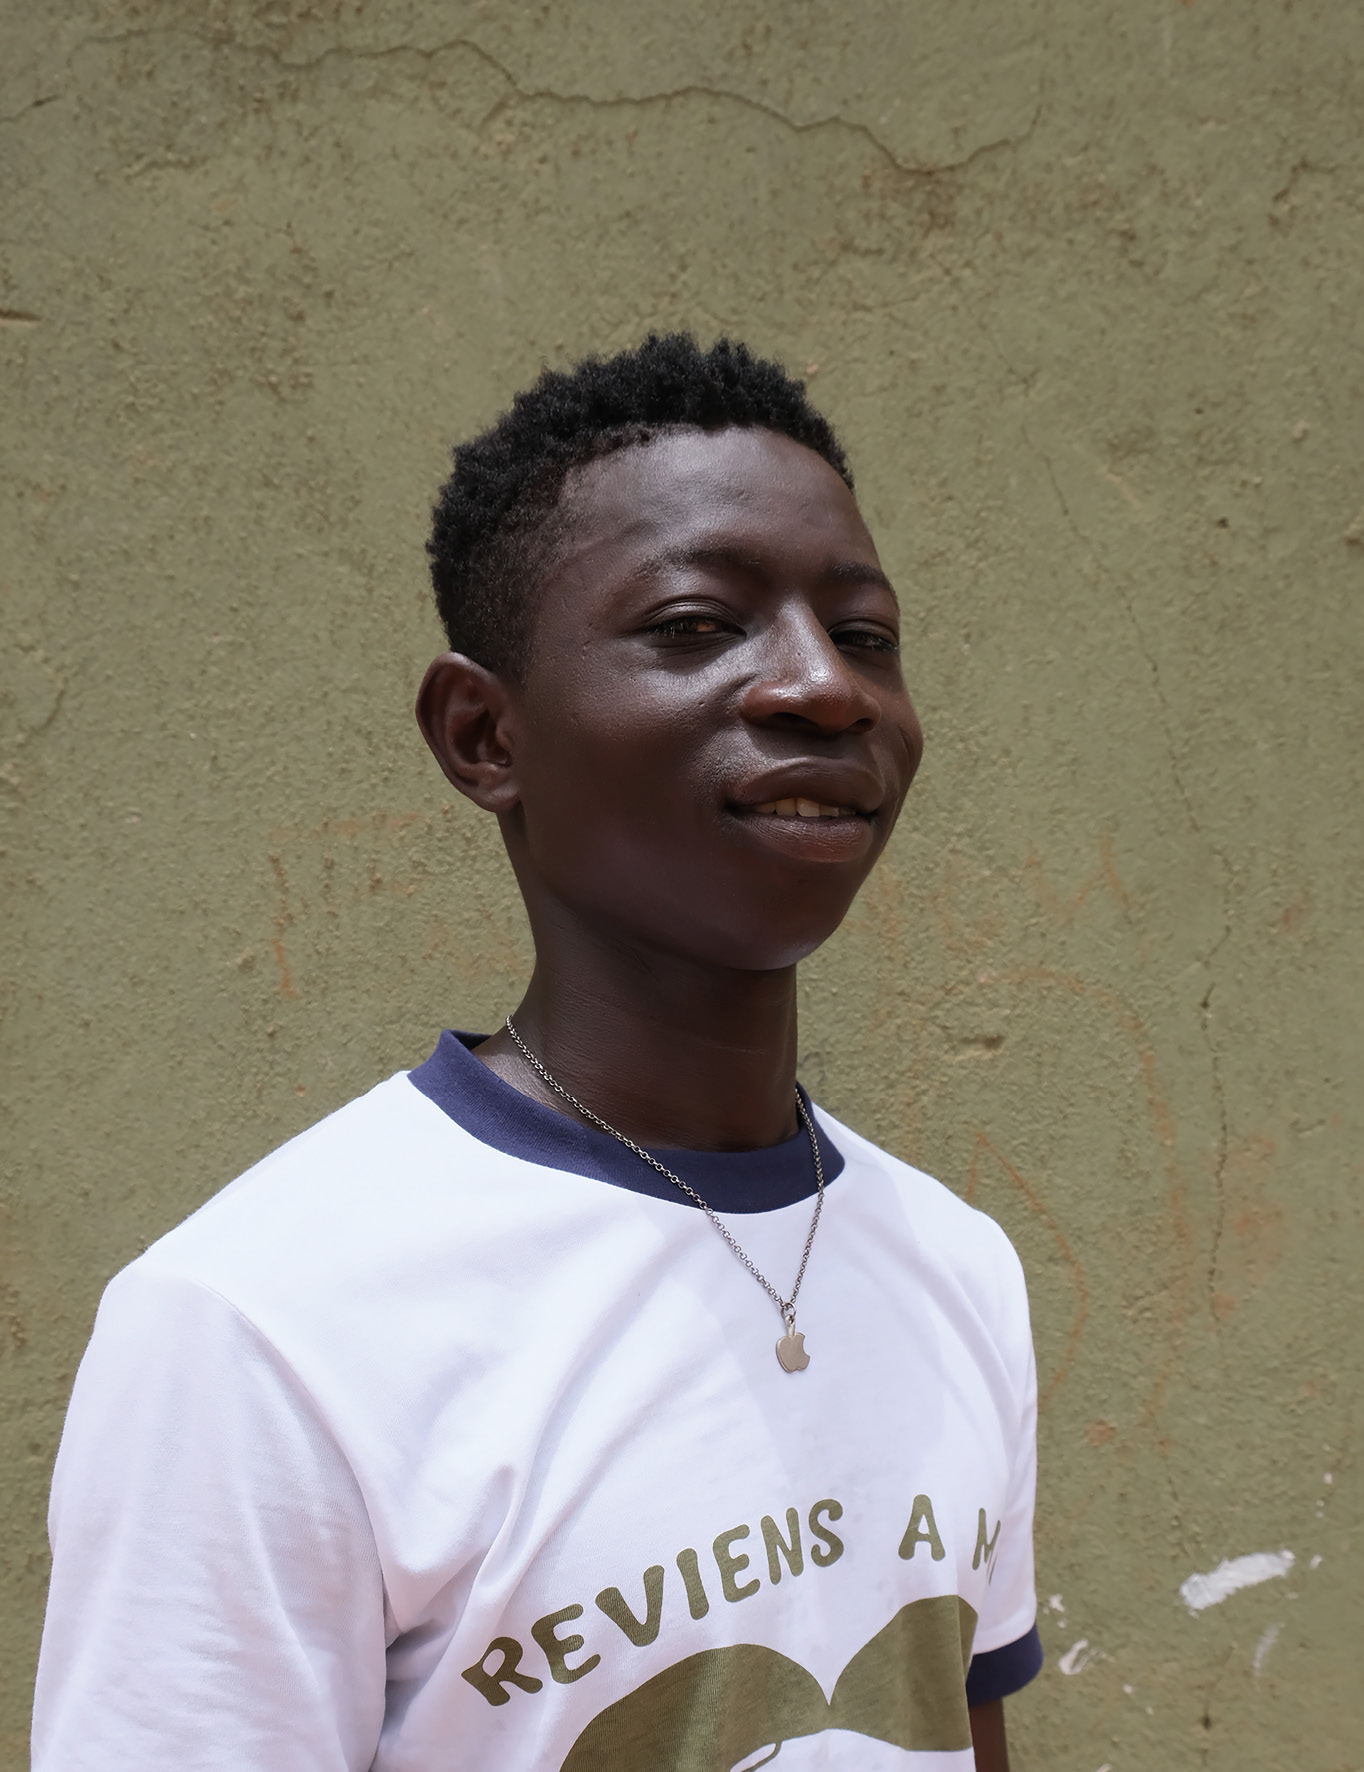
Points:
[(464, 713)]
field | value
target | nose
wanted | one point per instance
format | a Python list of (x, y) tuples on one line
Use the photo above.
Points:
[(803, 681)]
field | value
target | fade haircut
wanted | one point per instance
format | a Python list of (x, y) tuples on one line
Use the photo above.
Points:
[(496, 520)]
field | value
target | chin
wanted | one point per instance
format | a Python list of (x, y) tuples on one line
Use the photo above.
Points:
[(751, 919), (765, 943)]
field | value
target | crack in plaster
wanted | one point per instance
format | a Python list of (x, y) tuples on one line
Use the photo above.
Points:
[(1205, 961), (666, 94), (1223, 1138), (34, 104), (549, 94), (1300, 169), (1177, 1519), (1023, 379)]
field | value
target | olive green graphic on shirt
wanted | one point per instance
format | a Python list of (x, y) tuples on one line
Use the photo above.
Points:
[(641, 1631), (985, 1544), (922, 1529), (907, 1686)]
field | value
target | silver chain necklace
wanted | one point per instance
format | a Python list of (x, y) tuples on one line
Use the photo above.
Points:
[(791, 1347)]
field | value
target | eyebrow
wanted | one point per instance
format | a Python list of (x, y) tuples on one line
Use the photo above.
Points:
[(841, 572)]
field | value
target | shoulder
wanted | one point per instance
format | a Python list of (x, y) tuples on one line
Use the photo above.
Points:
[(326, 1202), (946, 1231)]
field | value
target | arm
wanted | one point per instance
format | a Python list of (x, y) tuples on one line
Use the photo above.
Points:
[(1010, 1609), (987, 1736), (216, 1598)]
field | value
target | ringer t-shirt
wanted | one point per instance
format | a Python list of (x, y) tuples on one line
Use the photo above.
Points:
[(451, 1438)]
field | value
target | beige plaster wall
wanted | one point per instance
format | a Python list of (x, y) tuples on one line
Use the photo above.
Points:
[(1081, 282)]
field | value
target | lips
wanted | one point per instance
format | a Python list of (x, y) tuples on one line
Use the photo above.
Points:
[(799, 808), (829, 832), (818, 810), (813, 788)]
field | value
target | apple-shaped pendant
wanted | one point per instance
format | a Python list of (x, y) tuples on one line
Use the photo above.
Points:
[(791, 1352)]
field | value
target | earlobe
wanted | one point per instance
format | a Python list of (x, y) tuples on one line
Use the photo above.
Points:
[(462, 709)]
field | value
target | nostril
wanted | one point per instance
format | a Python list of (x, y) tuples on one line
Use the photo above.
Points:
[(822, 705)]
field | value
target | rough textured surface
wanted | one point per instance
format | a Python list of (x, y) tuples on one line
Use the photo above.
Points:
[(1080, 282)]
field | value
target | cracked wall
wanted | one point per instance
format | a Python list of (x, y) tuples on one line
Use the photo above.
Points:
[(1079, 282)]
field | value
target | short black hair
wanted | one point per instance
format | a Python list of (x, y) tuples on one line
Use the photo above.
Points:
[(493, 524)]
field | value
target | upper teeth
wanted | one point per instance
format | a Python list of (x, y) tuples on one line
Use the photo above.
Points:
[(803, 809)]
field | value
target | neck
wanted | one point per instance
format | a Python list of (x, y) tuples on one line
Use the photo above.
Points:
[(670, 1050)]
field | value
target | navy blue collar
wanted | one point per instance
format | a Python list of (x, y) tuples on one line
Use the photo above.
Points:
[(496, 1114)]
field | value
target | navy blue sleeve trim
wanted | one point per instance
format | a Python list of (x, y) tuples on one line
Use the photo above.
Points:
[(998, 1672)]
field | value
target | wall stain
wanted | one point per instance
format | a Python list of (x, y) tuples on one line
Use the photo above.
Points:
[(282, 919), (1073, 1266), (1066, 908), (1161, 1115)]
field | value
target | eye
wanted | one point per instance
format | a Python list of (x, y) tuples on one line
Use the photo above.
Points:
[(690, 627), (866, 639)]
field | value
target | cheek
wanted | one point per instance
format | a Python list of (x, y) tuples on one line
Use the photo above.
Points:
[(902, 747), (631, 867), (607, 795)]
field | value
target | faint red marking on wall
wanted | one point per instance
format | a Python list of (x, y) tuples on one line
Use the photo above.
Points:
[(389, 822), (1255, 1230), (282, 919), (1163, 1123), (1077, 1272), (286, 983), (312, 847), (1065, 908), (1112, 878)]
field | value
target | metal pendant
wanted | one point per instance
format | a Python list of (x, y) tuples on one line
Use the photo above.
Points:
[(791, 1350)]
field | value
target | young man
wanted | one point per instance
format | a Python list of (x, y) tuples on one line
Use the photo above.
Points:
[(586, 1400)]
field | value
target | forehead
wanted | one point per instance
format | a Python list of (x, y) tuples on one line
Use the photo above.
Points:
[(750, 489)]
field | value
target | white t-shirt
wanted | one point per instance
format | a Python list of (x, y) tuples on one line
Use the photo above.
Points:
[(452, 1438)]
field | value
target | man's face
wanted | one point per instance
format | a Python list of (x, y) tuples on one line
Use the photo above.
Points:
[(713, 737)]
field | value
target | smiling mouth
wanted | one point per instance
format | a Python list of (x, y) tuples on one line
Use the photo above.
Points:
[(799, 808)]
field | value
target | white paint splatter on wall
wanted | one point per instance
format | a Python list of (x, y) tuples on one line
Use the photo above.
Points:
[(1201, 1591), (1075, 1661), (1263, 1647)]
